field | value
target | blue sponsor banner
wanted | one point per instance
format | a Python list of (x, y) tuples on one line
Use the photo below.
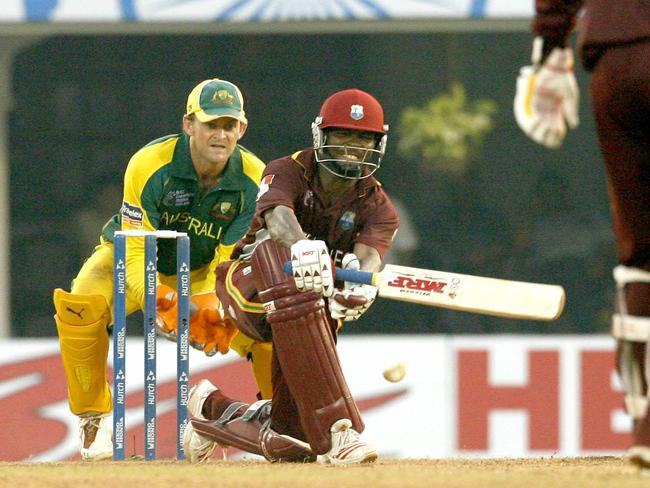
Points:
[(255, 10)]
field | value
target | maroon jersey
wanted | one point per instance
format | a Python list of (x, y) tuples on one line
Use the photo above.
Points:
[(604, 24), (364, 214)]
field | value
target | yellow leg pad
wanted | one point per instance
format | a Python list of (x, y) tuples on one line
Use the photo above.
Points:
[(79, 309), (260, 354), (81, 323)]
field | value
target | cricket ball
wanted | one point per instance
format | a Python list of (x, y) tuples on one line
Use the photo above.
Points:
[(395, 373)]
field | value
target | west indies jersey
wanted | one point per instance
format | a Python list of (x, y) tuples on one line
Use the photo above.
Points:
[(364, 214)]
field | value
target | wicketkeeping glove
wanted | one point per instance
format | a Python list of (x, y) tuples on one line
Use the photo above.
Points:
[(210, 332), (353, 301), (166, 312), (312, 267), (547, 96)]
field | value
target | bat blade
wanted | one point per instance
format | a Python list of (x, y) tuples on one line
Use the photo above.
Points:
[(468, 293)]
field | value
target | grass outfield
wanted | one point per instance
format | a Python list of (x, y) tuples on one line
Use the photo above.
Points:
[(589, 472)]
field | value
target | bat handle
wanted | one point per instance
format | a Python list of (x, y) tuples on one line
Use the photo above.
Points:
[(352, 275)]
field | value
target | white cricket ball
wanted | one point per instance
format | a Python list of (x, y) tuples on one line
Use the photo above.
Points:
[(395, 373)]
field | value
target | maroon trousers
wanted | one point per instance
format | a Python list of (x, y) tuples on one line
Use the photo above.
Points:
[(620, 95)]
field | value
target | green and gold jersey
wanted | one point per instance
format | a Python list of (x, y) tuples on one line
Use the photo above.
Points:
[(161, 191)]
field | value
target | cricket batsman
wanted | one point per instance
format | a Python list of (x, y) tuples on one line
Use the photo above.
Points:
[(315, 207)]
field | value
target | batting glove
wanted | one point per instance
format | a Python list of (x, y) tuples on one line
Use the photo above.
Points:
[(312, 267), (353, 301), (547, 96)]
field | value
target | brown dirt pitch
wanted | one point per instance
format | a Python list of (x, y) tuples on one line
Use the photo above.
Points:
[(588, 472)]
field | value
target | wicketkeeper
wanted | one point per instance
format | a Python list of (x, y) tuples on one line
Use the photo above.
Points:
[(200, 182), (316, 207)]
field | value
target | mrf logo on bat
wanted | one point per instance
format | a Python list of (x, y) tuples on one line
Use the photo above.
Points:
[(423, 285)]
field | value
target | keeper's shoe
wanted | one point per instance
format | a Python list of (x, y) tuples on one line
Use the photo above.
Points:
[(347, 446), (198, 448), (95, 438)]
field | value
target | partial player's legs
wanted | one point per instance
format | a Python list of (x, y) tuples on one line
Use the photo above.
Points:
[(631, 328), (81, 323), (308, 383), (620, 91), (198, 448), (310, 394), (82, 317), (219, 420), (313, 411)]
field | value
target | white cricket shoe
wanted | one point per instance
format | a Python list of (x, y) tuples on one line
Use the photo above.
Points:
[(640, 455), (95, 433), (347, 446), (197, 448)]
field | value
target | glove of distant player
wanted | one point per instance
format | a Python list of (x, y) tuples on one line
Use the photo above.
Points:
[(312, 267), (209, 331), (351, 302), (547, 96)]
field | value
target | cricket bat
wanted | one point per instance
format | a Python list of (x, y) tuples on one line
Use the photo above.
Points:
[(467, 293)]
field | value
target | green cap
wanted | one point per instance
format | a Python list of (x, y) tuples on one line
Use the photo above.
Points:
[(212, 99)]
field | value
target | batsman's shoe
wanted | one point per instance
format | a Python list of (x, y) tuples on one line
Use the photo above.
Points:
[(347, 446), (640, 455), (95, 438), (198, 394), (198, 448)]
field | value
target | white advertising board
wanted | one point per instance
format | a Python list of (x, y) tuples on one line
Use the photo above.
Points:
[(462, 396)]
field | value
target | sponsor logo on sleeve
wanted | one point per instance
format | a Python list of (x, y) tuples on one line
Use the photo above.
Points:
[(132, 214), (265, 184)]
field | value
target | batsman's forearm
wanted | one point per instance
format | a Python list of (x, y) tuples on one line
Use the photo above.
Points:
[(369, 258), (283, 226)]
